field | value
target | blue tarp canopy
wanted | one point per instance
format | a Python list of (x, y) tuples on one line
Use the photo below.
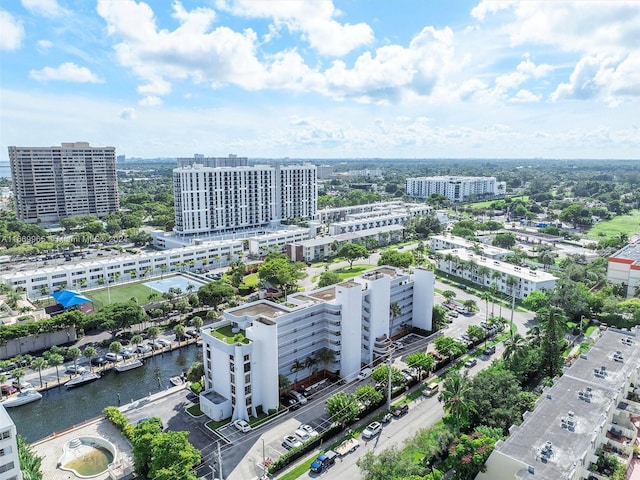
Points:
[(69, 298)]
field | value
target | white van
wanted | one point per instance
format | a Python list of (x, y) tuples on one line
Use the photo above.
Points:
[(365, 373)]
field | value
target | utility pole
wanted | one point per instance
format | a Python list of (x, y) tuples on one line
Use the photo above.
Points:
[(264, 461), (513, 305), (220, 463)]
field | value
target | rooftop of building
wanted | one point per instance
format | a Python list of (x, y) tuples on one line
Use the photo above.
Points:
[(346, 237), (262, 308), (452, 178), (508, 268), (489, 250), (629, 252), (565, 418)]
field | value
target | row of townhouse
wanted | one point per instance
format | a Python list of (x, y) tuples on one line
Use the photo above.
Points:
[(94, 273), (259, 341), (486, 271), (591, 410), (319, 248), (450, 242), (338, 214), (367, 221)]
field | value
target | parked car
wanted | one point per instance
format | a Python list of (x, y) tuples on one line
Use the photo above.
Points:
[(453, 314), (126, 353), (299, 397), (471, 363), (302, 435), (373, 429), (364, 373), (8, 389), (289, 402), (71, 370), (99, 361), (312, 432), (324, 461), (401, 410), (143, 349), (113, 357), (290, 441), (431, 390), (191, 333), (386, 418), (163, 342), (242, 425)]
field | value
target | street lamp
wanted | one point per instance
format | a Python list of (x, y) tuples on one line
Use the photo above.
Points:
[(264, 461)]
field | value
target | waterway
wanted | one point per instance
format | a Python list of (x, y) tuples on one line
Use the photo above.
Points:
[(60, 408)]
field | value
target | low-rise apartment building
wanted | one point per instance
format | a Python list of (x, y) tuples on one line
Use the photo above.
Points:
[(94, 273), (368, 220), (449, 242), (624, 267), (589, 410), (456, 189), (485, 271), (259, 341)]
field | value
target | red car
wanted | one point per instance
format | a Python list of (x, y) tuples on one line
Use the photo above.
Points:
[(8, 389)]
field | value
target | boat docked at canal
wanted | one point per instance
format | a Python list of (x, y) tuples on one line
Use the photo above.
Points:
[(26, 396), (84, 378), (128, 365)]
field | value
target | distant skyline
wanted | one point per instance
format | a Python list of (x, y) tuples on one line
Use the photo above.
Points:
[(323, 79)]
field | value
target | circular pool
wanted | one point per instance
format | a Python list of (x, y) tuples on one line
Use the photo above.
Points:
[(87, 457)]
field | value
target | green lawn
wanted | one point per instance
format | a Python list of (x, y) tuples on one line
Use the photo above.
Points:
[(354, 272), (627, 224), (121, 293)]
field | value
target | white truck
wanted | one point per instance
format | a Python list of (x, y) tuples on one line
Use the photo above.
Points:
[(347, 446)]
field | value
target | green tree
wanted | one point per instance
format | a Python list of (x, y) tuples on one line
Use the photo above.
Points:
[(380, 375), (30, 463), (536, 301), (394, 258), (342, 408), (324, 356), (514, 348), (468, 455), (90, 352), (281, 273), (18, 373), (448, 347), (352, 252), (449, 295), (453, 396), (421, 361), (504, 240), (37, 364), (55, 360), (143, 435), (116, 348), (74, 353), (296, 366), (328, 278), (173, 457), (197, 322), (368, 395), (215, 293), (391, 463), (195, 372), (153, 332), (553, 342), (178, 331), (283, 383)]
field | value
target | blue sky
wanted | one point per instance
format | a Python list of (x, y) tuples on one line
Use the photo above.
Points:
[(323, 79)]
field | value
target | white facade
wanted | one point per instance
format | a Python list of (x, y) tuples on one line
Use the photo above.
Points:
[(449, 242), (9, 459), (219, 199), (346, 318), (51, 183), (355, 222), (337, 214), (624, 267), (276, 241), (588, 407), (93, 274), (479, 269), (456, 189)]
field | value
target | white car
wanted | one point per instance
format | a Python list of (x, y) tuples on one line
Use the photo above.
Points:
[(365, 373), (290, 441), (312, 432), (112, 357), (302, 435), (242, 425), (373, 429), (298, 396)]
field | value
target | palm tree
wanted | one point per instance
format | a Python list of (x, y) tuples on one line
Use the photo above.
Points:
[(309, 363), (511, 282), (296, 367), (74, 353), (115, 347), (325, 356), (18, 373), (484, 271), (514, 347), (90, 352), (470, 305), (197, 322), (283, 383), (448, 295), (179, 330), (38, 364), (547, 258), (394, 311), (135, 341), (449, 258), (56, 360), (453, 395), (486, 296), (153, 333)]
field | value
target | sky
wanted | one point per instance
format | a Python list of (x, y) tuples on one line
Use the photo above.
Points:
[(323, 79)]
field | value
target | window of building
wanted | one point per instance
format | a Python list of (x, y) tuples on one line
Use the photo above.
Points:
[(6, 434), (7, 467)]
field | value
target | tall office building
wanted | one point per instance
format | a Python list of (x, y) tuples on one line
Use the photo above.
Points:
[(52, 183), (456, 189), (211, 198)]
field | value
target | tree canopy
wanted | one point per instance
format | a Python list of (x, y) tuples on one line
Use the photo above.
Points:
[(280, 272)]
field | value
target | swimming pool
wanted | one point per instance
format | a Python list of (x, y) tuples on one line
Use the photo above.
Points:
[(177, 281)]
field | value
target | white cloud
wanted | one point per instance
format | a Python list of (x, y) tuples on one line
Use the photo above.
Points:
[(128, 113), (67, 72), (530, 69), (485, 7), (525, 96), (44, 45), (314, 20), (11, 32), (150, 101), (46, 8)]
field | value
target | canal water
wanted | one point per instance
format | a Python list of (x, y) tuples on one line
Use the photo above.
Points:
[(60, 408)]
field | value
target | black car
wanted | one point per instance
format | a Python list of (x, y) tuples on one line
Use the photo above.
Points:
[(490, 350), (99, 361), (289, 402)]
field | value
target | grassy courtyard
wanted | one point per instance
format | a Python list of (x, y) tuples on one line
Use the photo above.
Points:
[(627, 224), (121, 293)]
